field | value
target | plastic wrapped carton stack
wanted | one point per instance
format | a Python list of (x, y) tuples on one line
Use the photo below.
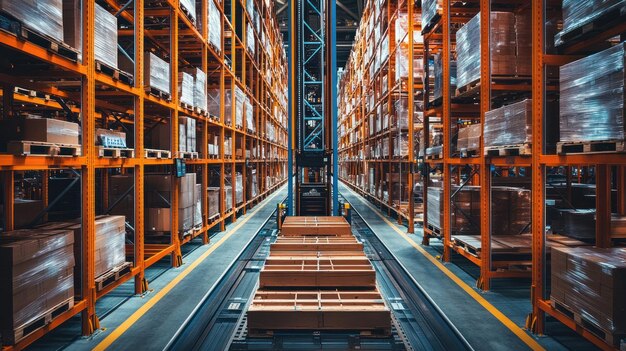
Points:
[(157, 73), (187, 134), (34, 128), (199, 90), (469, 138), (509, 125), (249, 116), (214, 145), (197, 206), (214, 201), (592, 97), (106, 37), (158, 213), (429, 11), (215, 26), (36, 276), (578, 13), (253, 187), (240, 98), (238, 188), (438, 72), (185, 88), (213, 102), (591, 283), (46, 20), (190, 7)]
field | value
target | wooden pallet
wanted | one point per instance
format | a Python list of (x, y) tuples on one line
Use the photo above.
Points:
[(114, 152), (157, 154), (188, 14), (8, 24), (31, 93), (186, 155), (469, 247), (590, 147), (114, 73), (363, 311), (213, 218), (112, 276), (44, 319), (186, 106), (466, 153), (509, 150), (438, 156), (316, 226), (38, 148), (609, 337), (159, 94), (200, 111), (614, 17)]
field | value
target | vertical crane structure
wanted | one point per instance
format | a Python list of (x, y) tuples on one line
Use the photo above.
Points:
[(313, 107)]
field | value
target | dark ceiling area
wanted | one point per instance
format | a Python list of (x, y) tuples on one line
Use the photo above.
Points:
[(348, 17)]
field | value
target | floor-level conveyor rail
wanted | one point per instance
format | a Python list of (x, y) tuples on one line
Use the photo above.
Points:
[(219, 320)]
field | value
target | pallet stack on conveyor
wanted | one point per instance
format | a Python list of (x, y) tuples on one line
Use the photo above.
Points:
[(317, 277)]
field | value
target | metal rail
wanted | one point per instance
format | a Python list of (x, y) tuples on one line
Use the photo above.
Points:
[(219, 323)]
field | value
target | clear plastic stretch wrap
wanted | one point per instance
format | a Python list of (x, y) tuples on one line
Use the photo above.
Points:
[(240, 98), (106, 37), (578, 13), (509, 125), (250, 39), (238, 188), (434, 203), (402, 64), (401, 145), (503, 48), (36, 275), (157, 73), (110, 243), (200, 91), (250, 115), (591, 282), (215, 25), (228, 196), (438, 90), (190, 6), (592, 97), (429, 11), (253, 188), (578, 224), (213, 102), (44, 17), (185, 88), (197, 207), (214, 201)]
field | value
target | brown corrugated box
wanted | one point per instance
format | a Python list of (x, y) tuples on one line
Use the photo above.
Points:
[(50, 131), (158, 219), (26, 211)]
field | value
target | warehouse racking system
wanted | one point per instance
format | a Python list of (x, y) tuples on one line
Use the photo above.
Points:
[(379, 102), (480, 166), (241, 132)]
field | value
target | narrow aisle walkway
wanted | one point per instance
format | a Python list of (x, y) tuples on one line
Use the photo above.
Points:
[(469, 309), (149, 322)]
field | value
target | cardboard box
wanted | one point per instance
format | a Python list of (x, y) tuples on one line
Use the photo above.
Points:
[(158, 219), (26, 211), (197, 208), (50, 131), (214, 201)]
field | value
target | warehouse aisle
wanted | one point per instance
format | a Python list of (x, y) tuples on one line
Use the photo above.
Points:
[(150, 321), (489, 321)]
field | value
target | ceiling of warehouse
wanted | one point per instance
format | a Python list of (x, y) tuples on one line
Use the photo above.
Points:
[(348, 17)]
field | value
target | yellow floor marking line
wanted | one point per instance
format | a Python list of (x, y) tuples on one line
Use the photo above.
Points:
[(122, 328), (519, 332)]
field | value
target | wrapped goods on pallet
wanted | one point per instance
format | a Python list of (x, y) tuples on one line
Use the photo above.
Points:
[(579, 223), (228, 147), (401, 145), (240, 98), (502, 46), (106, 37), (187, 134), (215, 26), (199, 90), (592, 97), (385, 147), (250, 39), (197, 206), (438, 73), (430, 8), (72, 22), (36, 278), (469, 138), (214, 201), (228, 196), (238, 188), (187, 190), (509, 125), (402, 64), (249, 115), (28, 211), (157, 73), (213, 102), (590, 283), (110, 138), (182, 135), (523, 40), (35, 128), (185, 88), (190, 8), (44, 18), (579, 13), (110, 243), (228, 107), (253, 187)]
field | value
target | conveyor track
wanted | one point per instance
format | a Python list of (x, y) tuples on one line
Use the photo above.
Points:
[(219, 323)]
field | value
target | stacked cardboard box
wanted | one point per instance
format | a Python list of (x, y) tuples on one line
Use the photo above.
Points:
[(214, 201), (469, 138), (158, 212), (72, 24), (199, 89), (592, 97), (190, 8), (438, 73), (27, 210), (215, 26), (509, 125), (157, 73), (35, 128), (187, 134), (591, 283), (36, 276), (214, 145)]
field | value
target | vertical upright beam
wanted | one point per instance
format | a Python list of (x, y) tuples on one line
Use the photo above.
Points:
[(140, 282), (537, 319), (292, 105), (9, 200), (603, 205), (88, 172), (332, 8), (446, 116), (176, 254), (205, 125), (485, 171), (411, 101)]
